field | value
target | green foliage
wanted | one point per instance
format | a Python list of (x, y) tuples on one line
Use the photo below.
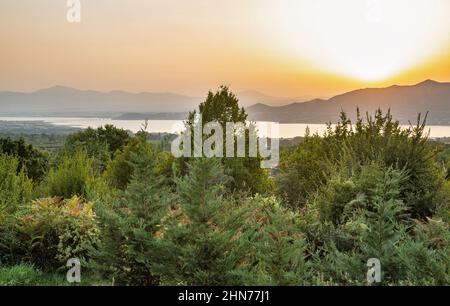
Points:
[(28, 275), (374, 225), (195, 236), (199, 249), (165, 163), (71, 177), (32, 161), (378, 139), (425, 257), (222, 106), (304, 170), (369, 190), (100, 144), (129, 246), (49, 231), (119, 171), (208, 239), (384, 229), (15, 187), (275, 248), (21, 275), (344, 192), (46, 142), (246, 173), (15, 192)]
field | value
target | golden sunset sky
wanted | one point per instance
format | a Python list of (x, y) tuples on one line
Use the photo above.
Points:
[(292, 48)]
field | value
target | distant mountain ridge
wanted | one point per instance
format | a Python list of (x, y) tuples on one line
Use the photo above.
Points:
[(405, 102), (67, 101)]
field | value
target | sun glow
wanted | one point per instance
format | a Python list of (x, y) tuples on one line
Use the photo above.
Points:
[(297, 48), (370, 40)]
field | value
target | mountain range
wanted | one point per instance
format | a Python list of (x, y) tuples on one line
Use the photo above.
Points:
[(67, 101), (405, 102)]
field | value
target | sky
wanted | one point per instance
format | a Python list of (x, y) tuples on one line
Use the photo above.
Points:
[(288, 48)]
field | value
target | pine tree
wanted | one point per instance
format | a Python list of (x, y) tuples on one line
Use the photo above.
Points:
[(199, 238), (246, 172), (373, 228), (385, 231), (276, 247), (131, 245)]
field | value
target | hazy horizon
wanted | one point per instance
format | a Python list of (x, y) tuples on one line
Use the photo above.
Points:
[(285, 99)]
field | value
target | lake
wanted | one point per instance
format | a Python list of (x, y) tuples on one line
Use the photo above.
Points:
[(286, 130)]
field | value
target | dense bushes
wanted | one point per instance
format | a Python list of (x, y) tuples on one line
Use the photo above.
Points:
[(198, 235), (34, 162), (379, 139), (275, 246), (49, 231), (369, 190), (71, 176), (15, 192), (100, 144), (15, 188), (373, 223), (119, 171)]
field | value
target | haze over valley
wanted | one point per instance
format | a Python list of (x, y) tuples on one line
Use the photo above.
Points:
[(405, 102)]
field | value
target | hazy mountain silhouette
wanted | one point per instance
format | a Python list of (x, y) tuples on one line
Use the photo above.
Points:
[(66, 100), (251, 97), (246, 99), (405, 103)]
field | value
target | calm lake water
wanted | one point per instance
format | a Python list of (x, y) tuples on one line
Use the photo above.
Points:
[(173, 126)]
